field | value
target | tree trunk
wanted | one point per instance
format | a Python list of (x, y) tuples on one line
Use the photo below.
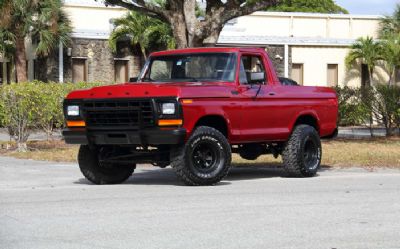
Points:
[(20, 59), (371, 76), (179, 30), (143, 51)]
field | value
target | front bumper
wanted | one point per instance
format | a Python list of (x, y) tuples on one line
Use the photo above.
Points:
[(155, 136)]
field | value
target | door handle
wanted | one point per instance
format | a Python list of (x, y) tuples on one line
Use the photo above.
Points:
[(271, 93)]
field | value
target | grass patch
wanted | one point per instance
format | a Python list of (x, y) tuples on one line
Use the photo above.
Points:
[(368, 153), (53, 150)]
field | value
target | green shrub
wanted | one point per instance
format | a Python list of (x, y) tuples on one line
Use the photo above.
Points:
[(386, 106), (27, 106), (364, 106), (20, 108), (353, 109)]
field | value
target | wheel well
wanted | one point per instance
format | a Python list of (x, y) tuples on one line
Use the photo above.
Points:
[(214, 121), (308, 120)]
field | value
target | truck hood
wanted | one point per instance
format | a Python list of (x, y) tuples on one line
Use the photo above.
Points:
[(145, 90)]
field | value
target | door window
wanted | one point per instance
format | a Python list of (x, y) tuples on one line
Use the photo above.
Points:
[(250, 64)]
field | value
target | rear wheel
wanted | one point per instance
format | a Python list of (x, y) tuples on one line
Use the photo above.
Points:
[(98, 172), (302, 153), (204, 160)]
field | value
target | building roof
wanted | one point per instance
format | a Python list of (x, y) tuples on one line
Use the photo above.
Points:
[(88, 3), (205, 50), (91, 34), (281, 40), (315, 15)]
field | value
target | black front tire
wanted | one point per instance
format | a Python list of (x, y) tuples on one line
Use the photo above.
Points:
[(97, 173), (205, 159), (302, 153)]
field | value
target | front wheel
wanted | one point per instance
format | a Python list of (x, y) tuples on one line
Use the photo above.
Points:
[(96, 171), (205, 159), (302, 153)]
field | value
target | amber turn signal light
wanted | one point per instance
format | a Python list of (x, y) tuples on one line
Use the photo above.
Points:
[(76, 123), (169, 122)]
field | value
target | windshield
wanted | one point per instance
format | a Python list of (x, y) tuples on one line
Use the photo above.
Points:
[(192, 67)]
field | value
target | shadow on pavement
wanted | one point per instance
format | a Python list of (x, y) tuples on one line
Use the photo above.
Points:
[(237, 173)]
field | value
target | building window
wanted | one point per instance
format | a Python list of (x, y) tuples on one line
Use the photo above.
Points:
[(332, 75), (298, 73), (121, 71), (79, 70)]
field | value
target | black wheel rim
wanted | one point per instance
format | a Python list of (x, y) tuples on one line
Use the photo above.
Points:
[(311, 154), (205, 157)]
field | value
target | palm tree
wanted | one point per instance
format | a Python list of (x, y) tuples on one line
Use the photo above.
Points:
[(141, 30), (390, 25), (44, 21), (391, 54), (366, 50)]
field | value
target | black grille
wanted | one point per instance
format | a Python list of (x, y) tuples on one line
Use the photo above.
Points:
[(134, 114)]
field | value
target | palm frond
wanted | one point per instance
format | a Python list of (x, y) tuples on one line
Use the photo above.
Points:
[(142, 30)]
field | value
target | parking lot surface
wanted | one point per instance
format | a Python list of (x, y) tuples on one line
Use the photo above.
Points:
[(50, 205)]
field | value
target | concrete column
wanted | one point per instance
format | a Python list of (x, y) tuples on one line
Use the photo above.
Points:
[(30, 69), (60, 63), (286, 58)]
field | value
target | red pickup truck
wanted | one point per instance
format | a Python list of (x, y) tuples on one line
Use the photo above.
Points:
[(193, 108)]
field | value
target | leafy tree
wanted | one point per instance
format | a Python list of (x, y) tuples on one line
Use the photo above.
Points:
[(366, 50), (390, 25), (391, 54), (311, 6), (187, 29), (141, 30), (42, 21)]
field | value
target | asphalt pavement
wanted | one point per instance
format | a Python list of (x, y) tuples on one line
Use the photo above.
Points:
[(50, 205)]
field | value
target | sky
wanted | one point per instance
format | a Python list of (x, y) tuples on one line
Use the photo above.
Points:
[(369, 7)]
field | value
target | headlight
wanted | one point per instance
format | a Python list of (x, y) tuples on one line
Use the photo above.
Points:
[(73, 110), (168, 108)]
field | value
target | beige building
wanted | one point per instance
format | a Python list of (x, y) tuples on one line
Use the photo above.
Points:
[(88, 57), (313, 46), (310, 48)]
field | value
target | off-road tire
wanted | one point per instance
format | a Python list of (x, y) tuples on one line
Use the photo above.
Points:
[(187, 167), (295, 160), (92, 170)]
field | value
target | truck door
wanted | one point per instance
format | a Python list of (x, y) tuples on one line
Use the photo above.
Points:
[(260, 101)]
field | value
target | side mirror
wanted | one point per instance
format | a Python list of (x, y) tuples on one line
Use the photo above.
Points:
[(133, 79), (257, 77)]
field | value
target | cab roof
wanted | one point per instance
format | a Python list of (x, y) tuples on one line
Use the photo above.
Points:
[(206, 50)]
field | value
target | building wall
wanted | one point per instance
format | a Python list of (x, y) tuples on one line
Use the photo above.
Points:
[(314, 40), (315, 65), (316, 59), (89, 16), (284, 24)]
